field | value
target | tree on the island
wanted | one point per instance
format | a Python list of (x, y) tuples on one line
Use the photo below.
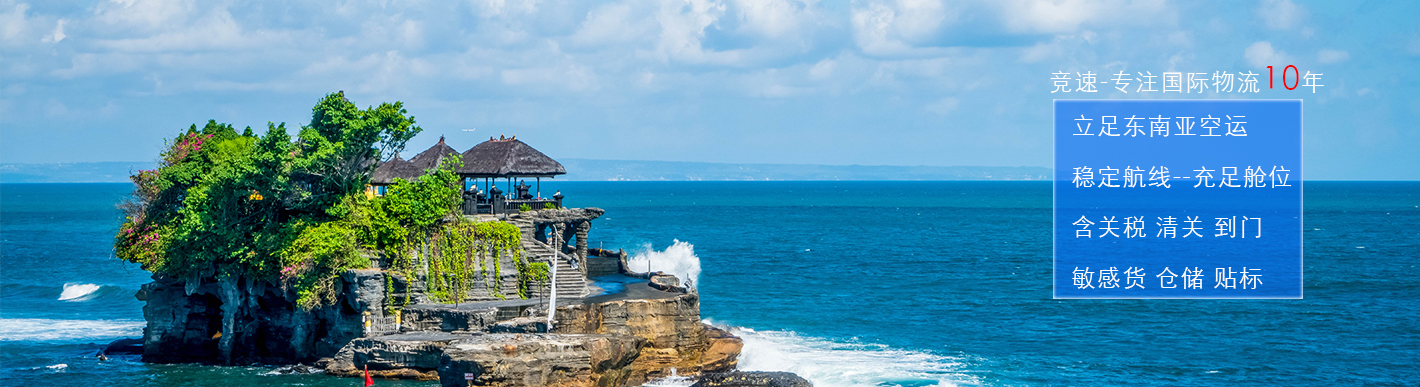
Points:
[(224, 203), (293, 210)]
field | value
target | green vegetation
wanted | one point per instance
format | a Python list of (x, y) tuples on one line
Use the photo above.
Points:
[(549, 206), (295, 211), (524, 207)]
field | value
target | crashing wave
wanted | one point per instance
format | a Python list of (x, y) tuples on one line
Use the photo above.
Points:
[(36, 329), (831, 363), (679, 260), (78, 292)]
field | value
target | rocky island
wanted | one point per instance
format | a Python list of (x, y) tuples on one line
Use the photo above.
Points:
[(330, 251), (618, 339)]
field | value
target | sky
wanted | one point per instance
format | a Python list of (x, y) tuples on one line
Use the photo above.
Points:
[(892, 82)]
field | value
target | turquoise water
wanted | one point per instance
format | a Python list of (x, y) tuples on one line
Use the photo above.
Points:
[(847, 283)]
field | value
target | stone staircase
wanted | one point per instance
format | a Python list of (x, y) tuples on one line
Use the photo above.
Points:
[(570, 282)]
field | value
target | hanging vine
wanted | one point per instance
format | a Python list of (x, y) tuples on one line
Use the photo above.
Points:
[(419, 225), (465, 254)]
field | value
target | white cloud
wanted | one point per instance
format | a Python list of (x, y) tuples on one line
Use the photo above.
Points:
[(919, 28), (823, 69), (1281, 14), (1069, 16), (774, 18), (1261, 55), (565, 76), (892, 29), (82, 64), (942, 106), (58, 34), (1037, 16), (871, 29), (672, 33), (144, 16), (493, 8), (214, 31), (412, 34), (12, 22), (682, 31), (920, 19), (613, 23), (1332, 56), (1041, 51), (388, 72), (18, 28)]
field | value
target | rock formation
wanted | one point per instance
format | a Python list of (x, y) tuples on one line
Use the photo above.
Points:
[(613, 343), (616, 340), (243, 321), (751, 379)]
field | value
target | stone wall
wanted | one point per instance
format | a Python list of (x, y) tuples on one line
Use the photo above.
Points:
[(602, 266)]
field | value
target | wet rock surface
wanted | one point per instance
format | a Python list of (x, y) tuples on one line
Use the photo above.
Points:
[(751, 379), (124, 347), (298, 369), (539, 360)]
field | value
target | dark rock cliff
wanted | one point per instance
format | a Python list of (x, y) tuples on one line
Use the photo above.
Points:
[(237, 320)]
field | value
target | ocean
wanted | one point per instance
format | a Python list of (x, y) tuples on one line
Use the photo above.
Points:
[(845, 283)]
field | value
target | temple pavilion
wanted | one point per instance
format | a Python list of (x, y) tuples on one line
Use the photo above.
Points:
[(496, 174)]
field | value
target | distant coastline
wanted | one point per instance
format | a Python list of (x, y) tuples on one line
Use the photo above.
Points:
[(598, 170), (95, 172)]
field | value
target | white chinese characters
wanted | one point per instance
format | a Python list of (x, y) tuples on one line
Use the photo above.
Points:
[(1179, 82), (1224, 278), (1166, 227)]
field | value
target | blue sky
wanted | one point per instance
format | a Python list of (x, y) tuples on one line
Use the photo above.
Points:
[(904, 82)]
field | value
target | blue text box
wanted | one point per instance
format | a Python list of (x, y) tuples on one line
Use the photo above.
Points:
[(1178, 199)]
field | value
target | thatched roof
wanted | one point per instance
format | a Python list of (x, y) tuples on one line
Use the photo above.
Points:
[(505, 158), (395, 168), (430, 158)]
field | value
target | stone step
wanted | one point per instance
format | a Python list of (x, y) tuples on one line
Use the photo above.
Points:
[(570, 282)]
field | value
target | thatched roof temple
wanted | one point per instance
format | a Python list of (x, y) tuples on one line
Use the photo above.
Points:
[(495, 158), (395, 168), (483, 166), (507, 158), (432, 157)]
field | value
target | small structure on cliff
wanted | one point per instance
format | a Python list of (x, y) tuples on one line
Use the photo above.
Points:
[(510, 160), (432, 157), (384, 175), (506, 160)]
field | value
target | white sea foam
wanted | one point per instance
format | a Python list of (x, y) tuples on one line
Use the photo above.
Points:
[(36, 329), (673, 380), (77, 292), (679, 259), (831, 363), (57, 367)]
